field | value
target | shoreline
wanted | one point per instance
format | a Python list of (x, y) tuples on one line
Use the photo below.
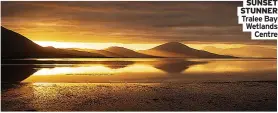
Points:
[(205, 96)]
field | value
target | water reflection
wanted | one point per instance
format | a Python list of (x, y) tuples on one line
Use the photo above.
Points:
[(95, 73), (93, 69), (161, 70), (16, 73), (233, 66), (175, 66)]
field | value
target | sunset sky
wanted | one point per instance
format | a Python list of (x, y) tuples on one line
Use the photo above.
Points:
[(134, 25)]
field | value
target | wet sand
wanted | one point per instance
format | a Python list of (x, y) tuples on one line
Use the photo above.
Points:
[(197, 96)]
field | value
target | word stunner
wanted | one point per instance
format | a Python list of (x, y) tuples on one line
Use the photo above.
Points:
[(260, 17)]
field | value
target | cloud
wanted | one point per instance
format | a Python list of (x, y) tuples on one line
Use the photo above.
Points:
[(203, 22)]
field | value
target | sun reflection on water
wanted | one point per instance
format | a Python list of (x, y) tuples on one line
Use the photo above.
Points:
[(138, 68), (232, 66), (150, 71), (95, 73)]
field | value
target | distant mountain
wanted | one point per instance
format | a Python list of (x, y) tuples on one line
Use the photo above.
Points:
[(179, 50), (102, 52), (246, 51), (14, 45), (107, 53), (127, 52)]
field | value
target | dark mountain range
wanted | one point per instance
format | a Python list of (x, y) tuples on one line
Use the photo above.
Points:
[(102, 52), (14, 45), (128, 53)]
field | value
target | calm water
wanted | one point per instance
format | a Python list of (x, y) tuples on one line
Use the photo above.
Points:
[(91, 70), (140, 85)]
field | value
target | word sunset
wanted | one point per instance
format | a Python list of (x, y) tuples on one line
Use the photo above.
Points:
[(260, 17)]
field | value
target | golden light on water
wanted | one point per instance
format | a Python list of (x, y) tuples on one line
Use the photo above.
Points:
[(215, 69), (94, 73), (138, 68), (42, 84), (146, 71), (230, 66), (71, 70), (95, 59)]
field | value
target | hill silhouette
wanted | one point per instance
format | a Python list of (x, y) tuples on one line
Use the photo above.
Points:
[(15, 45), (107, 53), (176, 49), (127, 52), (102, 52)]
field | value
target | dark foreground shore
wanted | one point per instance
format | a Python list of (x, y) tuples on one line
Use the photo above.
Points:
[(208, 96)]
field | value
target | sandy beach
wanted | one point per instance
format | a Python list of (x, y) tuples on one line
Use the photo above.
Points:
[(200, 96)]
